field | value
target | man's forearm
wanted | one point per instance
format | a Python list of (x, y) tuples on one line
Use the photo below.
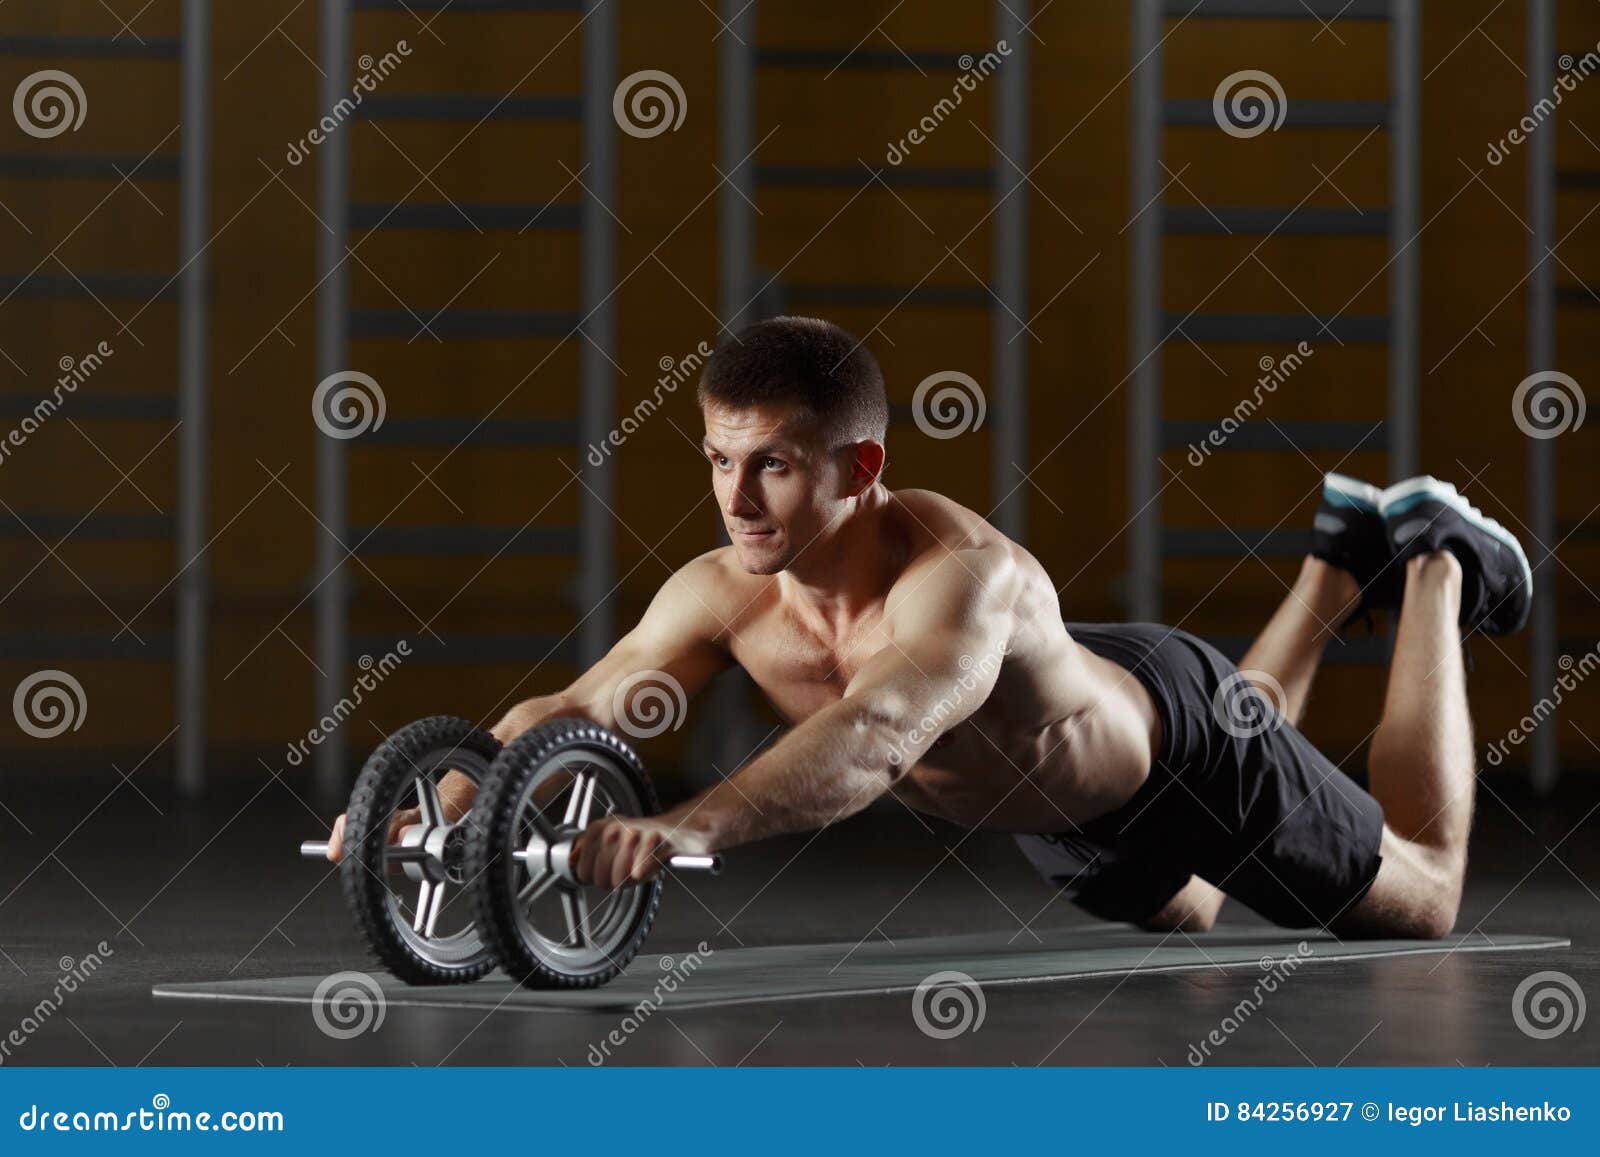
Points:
[(457, 791), (831, 766)]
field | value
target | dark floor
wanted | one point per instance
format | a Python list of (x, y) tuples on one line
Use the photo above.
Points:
[(199, 892)]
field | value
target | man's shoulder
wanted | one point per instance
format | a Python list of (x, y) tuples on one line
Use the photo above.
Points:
[(716, 579)]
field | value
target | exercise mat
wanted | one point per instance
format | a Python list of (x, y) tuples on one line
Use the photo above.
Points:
[(725, 976)]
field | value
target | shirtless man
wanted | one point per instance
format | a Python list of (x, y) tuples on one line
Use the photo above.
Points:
[(916, 651)]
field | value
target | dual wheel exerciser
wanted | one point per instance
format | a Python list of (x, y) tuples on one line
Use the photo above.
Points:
[(443, 901)]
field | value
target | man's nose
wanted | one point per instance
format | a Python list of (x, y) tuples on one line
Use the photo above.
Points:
[(737, 501)]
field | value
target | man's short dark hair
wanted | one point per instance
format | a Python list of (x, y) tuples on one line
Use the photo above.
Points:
[(803, 360)]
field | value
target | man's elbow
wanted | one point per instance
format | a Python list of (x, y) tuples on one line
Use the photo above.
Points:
[(885, 739)]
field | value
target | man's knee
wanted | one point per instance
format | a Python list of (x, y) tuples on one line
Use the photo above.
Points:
[(1193, 908), (1191, 921)]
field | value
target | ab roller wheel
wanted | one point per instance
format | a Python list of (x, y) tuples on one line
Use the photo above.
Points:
[(442, 899), (402, 873), (548, 930)]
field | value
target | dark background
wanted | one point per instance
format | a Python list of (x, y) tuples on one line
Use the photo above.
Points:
[(93, 821)]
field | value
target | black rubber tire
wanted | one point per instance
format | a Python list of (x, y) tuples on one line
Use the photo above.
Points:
[(372, 802), (489, 837)]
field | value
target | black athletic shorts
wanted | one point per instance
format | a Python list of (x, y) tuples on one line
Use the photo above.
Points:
[(1237, 796)]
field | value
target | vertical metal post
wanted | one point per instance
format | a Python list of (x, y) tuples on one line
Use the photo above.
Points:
[(725, 739), (1144, 406), (597, 403), (1009, 450), (1544, 642), (1405, 83), (333, 593), (736, 236), (193, 352)]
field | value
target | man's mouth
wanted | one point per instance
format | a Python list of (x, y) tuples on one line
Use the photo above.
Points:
[(750, 535)]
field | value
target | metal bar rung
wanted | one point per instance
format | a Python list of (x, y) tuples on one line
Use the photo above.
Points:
[(818, 293), (116, 286), (95, 526), (1300, 113), (1279, 9), (59, 646), (459, 541), (848, 177), (1347, 649), (1248, 327), (468, 5), (469, 107), (1302, 221), (1220, 542), (1261, 434), (463, 323), (107, 166), (88, 46), (875, 58), (463, 216), (103, 407), (464, 648), (453, 430)]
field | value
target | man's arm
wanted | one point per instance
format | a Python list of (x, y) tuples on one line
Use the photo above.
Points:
[(948, 638), (679, 637)]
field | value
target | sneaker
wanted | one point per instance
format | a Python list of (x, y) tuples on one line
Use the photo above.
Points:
[(1349, 533), (1425, 515)]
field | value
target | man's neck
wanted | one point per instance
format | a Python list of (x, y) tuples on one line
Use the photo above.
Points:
[(851, 575)]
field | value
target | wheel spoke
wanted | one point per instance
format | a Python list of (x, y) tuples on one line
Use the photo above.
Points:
[(419, 918), (576, 908), (434, 910), (591, 784), (428, 801), (536, 887)]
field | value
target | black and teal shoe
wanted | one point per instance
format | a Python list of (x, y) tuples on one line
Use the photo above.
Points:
[(1349, 532), (1425, 515)]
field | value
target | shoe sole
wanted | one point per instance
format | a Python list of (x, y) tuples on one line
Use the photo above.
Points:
[(1403, 495), (1343, 490)]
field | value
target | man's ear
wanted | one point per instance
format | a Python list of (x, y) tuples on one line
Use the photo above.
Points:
[(866, 465)]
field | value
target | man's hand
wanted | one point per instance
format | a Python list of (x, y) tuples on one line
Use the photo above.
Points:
[(456, 792), (617, 850)]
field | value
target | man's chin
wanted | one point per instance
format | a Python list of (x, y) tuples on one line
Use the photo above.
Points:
[(760, 561)]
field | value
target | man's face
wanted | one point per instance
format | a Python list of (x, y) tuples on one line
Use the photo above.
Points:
[(778, 485)]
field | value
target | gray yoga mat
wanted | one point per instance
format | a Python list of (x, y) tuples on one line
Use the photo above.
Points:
[(726, 976)]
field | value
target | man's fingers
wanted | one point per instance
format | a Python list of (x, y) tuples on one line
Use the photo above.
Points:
[(336, 840)]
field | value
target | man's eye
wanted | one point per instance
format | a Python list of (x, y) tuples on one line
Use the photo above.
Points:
[(773, 464)]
